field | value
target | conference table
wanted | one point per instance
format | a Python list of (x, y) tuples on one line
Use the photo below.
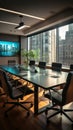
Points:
[(40, 78)]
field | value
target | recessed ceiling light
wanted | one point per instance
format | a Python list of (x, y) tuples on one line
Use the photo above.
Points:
[(19, 13), (8, 23), (19, 27)]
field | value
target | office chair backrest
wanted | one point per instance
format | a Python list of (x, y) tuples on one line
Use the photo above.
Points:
[(42, 64), (32, 62), (71, 67), (0, 83), (11, 62), (6, 84), (67, 94), (4, 81), (56, 66)]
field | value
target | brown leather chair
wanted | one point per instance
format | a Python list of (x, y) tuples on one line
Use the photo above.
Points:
[(60, 98), (11, 62), (42, 64), (56, 66), (32, 62), (71, 67), (14, 91)]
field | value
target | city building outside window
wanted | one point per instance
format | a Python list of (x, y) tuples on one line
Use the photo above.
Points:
[(55, 45)]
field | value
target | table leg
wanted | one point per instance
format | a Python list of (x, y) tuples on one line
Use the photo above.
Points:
[(35, 100)]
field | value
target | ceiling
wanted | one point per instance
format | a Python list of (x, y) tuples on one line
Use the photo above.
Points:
[(47, 13)]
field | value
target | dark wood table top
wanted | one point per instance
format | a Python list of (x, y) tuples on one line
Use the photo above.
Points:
[(44, 78)]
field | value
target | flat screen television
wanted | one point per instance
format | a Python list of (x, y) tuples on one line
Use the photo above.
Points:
[(9, 48)]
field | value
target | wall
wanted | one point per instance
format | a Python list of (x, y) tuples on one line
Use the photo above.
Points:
[(5, 37), (24, 45)]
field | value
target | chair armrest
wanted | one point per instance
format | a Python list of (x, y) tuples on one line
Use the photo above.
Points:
[(54, 89), (19, 86), (57, 91)]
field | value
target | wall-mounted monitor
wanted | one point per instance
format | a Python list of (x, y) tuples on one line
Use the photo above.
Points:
[(9, 48)]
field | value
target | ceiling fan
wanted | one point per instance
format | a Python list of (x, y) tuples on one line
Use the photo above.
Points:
[(21, 24)]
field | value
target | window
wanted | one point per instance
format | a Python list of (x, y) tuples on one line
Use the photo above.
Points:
[(55, 45)]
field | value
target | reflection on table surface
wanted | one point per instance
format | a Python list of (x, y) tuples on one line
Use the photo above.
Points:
[(44, 78)]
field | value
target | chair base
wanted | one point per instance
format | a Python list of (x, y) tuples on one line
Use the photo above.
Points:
[(17, 104), (1, 94), (61, 111)]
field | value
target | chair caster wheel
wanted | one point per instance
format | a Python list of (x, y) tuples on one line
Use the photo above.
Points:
[(3, 105), (47, 120), (28, 113), (6, 115), (31, 104), (46, 112)]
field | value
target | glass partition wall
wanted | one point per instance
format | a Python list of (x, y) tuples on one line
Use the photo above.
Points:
[(55, 45)]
